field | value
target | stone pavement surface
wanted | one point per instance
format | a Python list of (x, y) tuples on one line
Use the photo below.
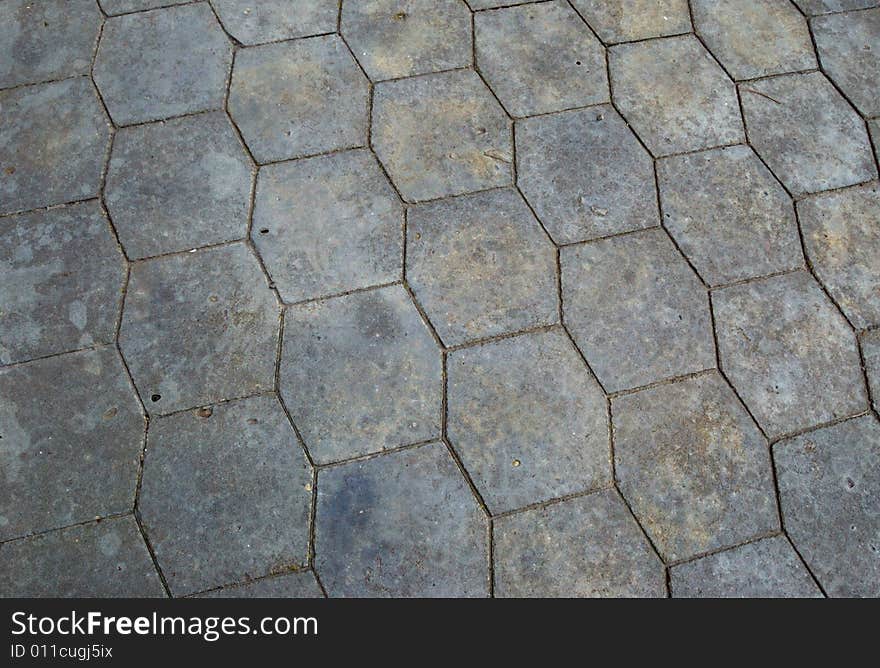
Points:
[(306, 298)]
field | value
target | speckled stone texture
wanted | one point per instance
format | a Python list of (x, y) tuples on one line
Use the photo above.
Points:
[(301, 584), (870, 343), (113, 7), (630, 20), (874, 127), (272, 20), (814, 7)]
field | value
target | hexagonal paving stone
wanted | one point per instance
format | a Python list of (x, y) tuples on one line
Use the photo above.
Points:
[(53, 146), (360, 373), (125, 6), (636, 310), (401, 525), (272, 20), (728, 215), (72, 435), (829, 483), (441, 134), (481, 266), (199, 328), (871, 352), (586, 547), (814, 7), (693, 466), (178, 185), (162, 63), (328, 225), (586, 174), (807, 133), (628, 20), (540, 58), (675, 95), (301, 584), (789, 353)]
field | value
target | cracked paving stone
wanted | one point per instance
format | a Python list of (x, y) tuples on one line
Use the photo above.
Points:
[(328, 225), (441, 134), (814, 7), (874, 127), (178, 185), (401, 525), (788, 352), (162, 63), (226, 494), (807, 133), (113, 7), (636, 310), (585, 547), (540, 58), (301, 584), (871, 352), (271, 20), (630, 20), (360, 374), (675, 95), (477, 5), (829, 483), (198, 328), (73, 453), (728, 215), (481, 266), (693, 466)]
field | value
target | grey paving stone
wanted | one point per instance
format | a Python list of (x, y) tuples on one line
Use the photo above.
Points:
[(628, 20), (72, 434), (226, 494), (540, 58), (301, 584), (788, 352), (814, 7), (480, 265), (874, 127), (636, 310), (162, 63), (61, 278), (441, 134), (477, 5), (807, 133), (53, 145), (585, 547), (179, 184), (728, 214), (124, 6), (871, 354), (401, 525), (328, 225), (585, 174), (829, 483), (360, 374), (675, 95), (271, 20), (199, 328)]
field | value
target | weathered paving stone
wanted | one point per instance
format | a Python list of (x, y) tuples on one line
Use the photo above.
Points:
[(480, 265), (360, 374), (401, 525), (301, 584), (178, 184), (629, 20), (829, 483), (540, 58), (199, 328), (328, 225), (272, 20), (636, 310), (871, 353), (162, 63), (814, 7), (675, 95), (113, 7), (585, 174), (226, 494), (728, 215), (807, 133), (789, 353), (299, 98), (874, 127), (490, 4), (585, 547), (72, 434), (441, 134)]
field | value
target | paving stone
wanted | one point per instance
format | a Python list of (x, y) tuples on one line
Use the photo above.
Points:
[(585, 174), (675, 95), (226, 494), (125, 6), (788, 352), (441, 134), (199, 328), (360, 374), (540, 58), (814, 7), (807, 133), (179, 184), (636, 310), (72, 435), (628, 20), (480, 265), (728, 214), (874, 127), (328, 225), (490, 4), (829, 483), (871, 353), (162, 63), (301, 584), (401, 525), (584, 547), (272, 20)]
